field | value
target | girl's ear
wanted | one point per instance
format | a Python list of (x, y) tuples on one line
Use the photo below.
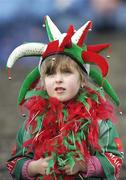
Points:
[(83, 84)]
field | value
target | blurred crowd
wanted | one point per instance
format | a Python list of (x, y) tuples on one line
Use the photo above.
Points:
[(21, 20)]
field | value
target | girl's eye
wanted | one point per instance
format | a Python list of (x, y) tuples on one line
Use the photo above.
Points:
[(50, 74), (67, 72)]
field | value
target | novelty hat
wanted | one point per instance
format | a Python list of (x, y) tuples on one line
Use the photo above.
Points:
[(72, 43)]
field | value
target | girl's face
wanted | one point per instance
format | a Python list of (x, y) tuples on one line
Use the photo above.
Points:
[(61, 77), (63, 85)]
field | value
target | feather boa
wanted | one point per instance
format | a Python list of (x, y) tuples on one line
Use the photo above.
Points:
[(65, 130)]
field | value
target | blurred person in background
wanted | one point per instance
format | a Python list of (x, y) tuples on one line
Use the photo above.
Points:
[(108, 15)]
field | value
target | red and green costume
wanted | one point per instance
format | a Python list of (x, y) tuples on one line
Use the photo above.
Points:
[(69, 131), (73, 130)]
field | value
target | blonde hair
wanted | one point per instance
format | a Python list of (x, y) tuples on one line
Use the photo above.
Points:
[(63, 63)]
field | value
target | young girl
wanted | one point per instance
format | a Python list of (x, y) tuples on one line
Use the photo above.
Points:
[(69, 132)]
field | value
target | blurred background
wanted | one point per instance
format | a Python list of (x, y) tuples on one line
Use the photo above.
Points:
[(21, 21)]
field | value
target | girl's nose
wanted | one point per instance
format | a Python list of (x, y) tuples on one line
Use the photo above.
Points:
[(59, 78)]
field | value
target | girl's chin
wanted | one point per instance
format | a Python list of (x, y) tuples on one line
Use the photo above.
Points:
[(64, 99)]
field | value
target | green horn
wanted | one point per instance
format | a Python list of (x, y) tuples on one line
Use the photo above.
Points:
[(27, 83), (97, 78)]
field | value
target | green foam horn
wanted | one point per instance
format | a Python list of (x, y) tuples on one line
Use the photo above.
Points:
[(97, 78), (31, 78)]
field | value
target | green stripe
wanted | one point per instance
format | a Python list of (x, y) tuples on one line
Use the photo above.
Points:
[(18, 169), (50, 36)]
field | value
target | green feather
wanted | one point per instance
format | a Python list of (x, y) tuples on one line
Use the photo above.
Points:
[(71, 160), (60, 161), (82, 98), (80, 155), (33, 92), (39, 124), (50, 166), (60, 177), (84, 125), (65, 113), (69, 146), (95, 97)]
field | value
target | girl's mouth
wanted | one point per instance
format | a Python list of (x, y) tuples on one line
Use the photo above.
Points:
[(60, 89)]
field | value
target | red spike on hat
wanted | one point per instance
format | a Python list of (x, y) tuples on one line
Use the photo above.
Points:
[(91, 57), (84, 34), (98, 47), (51, 48), (67, 39), (70, 30)]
